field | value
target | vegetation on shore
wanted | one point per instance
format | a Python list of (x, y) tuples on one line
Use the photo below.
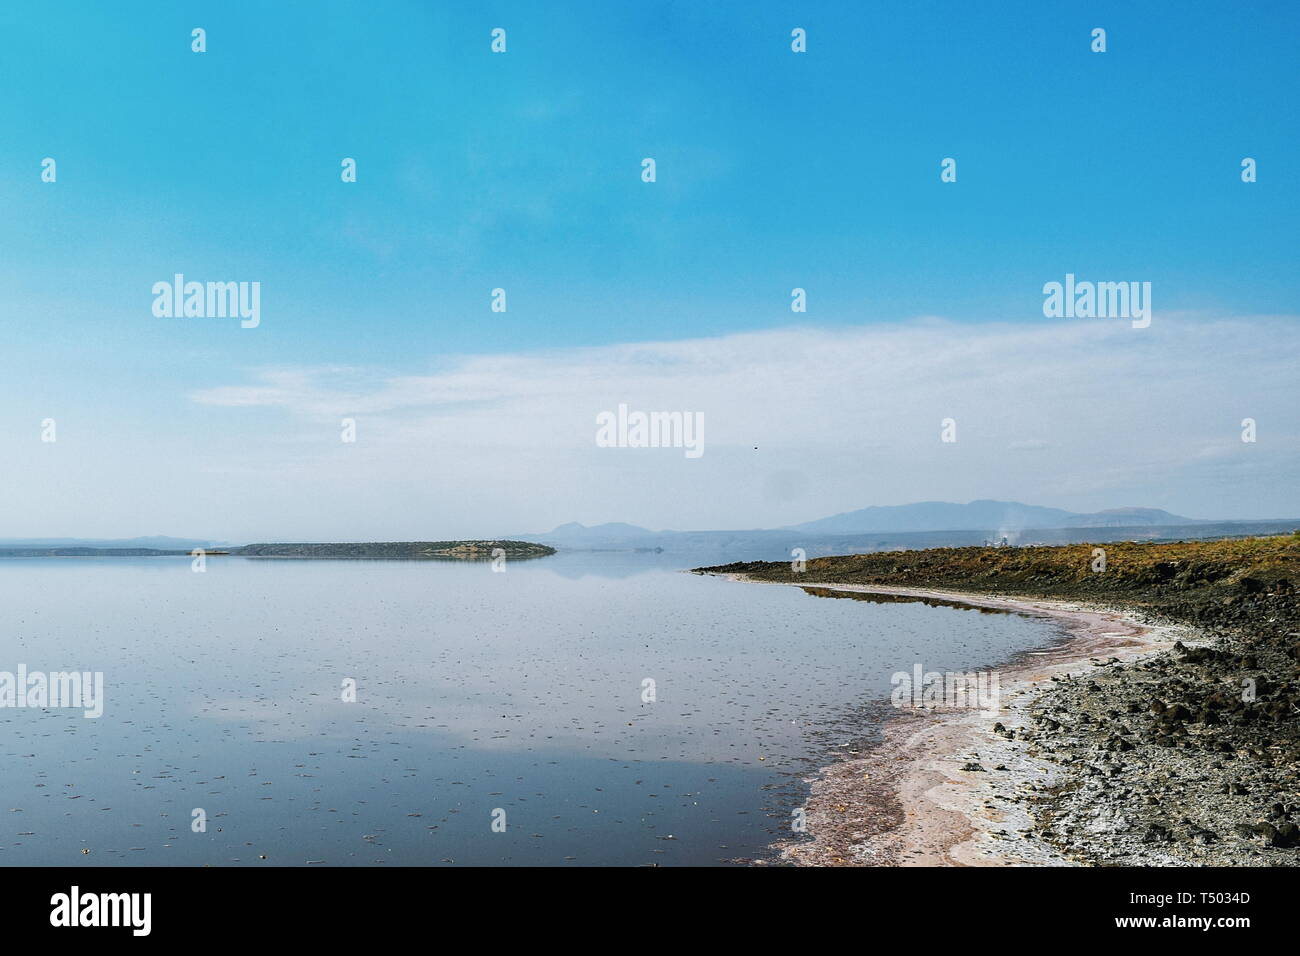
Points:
[(1187, 580)]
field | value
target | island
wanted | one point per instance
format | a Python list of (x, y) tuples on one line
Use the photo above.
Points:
[(462, 550), (446, 550)]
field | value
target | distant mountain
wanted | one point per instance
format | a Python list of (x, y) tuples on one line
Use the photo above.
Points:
[(926, 524), (983, 515), (575, 530), (1128, 518), (937, 516), (615, 534)]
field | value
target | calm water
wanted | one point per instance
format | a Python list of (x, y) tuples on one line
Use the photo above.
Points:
[(477, 691)]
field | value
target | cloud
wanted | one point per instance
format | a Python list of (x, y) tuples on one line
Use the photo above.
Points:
[(846, 416)]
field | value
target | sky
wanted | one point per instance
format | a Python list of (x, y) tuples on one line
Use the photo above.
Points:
[(522, 171)]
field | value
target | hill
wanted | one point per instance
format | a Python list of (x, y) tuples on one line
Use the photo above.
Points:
[(1000, 517)]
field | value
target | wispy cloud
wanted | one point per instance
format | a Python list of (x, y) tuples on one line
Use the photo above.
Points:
[(846, 417)]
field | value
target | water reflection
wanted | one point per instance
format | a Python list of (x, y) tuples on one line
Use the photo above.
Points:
[(476, 691), (880, 597)]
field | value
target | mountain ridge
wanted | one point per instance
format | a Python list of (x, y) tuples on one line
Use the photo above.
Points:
[(984, 514)]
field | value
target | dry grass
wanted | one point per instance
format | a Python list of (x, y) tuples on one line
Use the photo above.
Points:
[(1175, 577)]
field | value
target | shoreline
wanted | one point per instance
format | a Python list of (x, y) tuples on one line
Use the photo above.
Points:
[(908, 801)]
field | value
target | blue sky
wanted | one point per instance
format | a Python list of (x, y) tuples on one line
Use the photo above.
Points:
[(521, 170)]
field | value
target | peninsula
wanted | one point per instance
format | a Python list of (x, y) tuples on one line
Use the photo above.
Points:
[(1163, 729)]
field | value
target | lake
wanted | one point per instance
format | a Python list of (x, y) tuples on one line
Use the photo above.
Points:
[(512, 698)]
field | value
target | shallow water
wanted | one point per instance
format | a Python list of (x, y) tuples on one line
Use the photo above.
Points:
[(477, 692)]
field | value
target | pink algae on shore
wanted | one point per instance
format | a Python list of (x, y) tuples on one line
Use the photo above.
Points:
[(910, 801)]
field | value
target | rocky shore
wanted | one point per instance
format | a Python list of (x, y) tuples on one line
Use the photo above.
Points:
[(1164, 729)]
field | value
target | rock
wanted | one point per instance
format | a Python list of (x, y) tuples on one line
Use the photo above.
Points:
[(1286, 835), (1155, 833)]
